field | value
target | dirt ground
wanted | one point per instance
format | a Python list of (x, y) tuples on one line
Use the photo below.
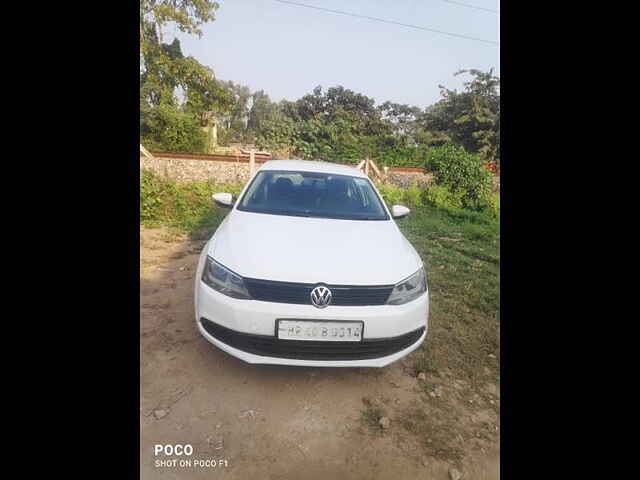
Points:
[(269, 422)]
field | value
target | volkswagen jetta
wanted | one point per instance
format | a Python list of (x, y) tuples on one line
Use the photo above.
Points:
[(310, 268)]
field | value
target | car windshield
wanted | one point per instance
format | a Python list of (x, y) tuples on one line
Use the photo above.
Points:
[(313, 194)]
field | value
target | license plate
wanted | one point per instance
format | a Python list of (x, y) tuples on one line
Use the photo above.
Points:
[(324, 331)]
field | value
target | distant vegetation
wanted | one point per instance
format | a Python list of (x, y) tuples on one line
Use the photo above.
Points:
[(178, 96)]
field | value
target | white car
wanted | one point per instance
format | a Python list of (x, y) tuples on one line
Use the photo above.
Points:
[(309, 268)]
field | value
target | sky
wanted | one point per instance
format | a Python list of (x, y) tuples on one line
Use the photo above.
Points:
[(288, 50)]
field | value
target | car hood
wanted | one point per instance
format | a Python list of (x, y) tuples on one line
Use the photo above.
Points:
[(313, 250)]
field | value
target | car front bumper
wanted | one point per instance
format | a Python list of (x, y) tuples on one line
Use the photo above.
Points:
[(400, 329)]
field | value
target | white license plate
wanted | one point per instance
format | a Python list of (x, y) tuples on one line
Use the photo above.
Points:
[(337, 331)]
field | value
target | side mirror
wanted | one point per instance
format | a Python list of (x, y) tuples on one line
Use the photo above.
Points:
[(399, 211), (223, 199)]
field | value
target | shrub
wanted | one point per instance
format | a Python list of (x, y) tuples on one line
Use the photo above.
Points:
[(411, 196), (151, 193), (390, 193), (462, 173), (167, 129), (440, 196), (187, 206)]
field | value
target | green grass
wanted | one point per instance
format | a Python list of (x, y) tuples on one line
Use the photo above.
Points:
[(461, 251)]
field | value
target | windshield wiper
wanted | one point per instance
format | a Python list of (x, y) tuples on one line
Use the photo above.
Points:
[(309, 214), (286, 212)]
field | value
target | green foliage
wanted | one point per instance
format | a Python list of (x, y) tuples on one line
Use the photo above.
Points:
[(471, 118), (411, 196), (186, 206), (391, 194), (166, 128), (462, 173), (187, 15), (262, 110), (344, 126), (151, 197), (177, 93), (340, 125), (414, 196), (440, 196)]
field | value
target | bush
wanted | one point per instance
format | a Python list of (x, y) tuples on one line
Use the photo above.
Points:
[(167, 129), (462, 173), (151, 196), (390, 193), (186, 206), (411, 196), (440, 196)]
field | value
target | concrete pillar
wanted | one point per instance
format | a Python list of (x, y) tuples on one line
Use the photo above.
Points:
[(252, 162)]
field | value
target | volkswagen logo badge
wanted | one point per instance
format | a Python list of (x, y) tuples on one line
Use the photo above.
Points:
[(320, 297)]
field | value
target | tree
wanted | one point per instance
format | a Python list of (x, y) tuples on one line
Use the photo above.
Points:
[(403, 121), (262, 110), (338, 124), (339, 103), (167, 120), (188, 16), (470, 118), (236, 120)]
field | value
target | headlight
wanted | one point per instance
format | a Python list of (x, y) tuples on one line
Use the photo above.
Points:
[(223, 280), (409, 289)]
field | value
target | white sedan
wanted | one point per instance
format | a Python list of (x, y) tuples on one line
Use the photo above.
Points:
[(309, 268)]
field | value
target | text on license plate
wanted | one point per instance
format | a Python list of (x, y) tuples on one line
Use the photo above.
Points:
[(320, 331)]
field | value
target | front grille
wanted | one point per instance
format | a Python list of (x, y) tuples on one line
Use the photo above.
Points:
[(268, 346), (299, 293)]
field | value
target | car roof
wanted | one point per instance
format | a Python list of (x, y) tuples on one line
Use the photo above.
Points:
[(312, 166)]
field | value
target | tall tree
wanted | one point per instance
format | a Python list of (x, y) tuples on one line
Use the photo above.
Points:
[(187, 15), (166, 120), (262, 110), (470, 118)]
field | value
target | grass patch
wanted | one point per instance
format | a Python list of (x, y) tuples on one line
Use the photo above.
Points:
[(371, 414), (437, 437), (461, 250)]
